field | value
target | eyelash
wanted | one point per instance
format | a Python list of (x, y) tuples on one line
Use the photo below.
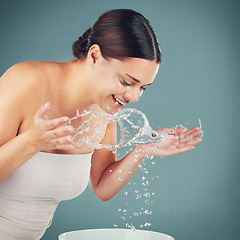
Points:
[(128, 84)]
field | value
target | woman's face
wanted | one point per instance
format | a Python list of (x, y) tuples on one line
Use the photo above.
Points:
[(117, 83)]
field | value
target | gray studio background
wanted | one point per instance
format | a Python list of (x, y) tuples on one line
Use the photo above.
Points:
[(197, 193)]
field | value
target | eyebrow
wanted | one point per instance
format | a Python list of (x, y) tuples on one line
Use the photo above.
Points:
[(136, 80)]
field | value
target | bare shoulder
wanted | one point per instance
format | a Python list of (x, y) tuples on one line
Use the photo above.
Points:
[(18, 87), (20, 76), (24, 72), (27, 79), (19, 83)]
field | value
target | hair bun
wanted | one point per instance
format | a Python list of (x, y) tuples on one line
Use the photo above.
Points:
[(81, 46), (120, 34)]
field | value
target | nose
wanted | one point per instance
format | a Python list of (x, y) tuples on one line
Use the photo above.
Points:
[(133, 95)]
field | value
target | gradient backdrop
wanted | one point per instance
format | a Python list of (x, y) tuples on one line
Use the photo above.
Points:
[(197, 193)]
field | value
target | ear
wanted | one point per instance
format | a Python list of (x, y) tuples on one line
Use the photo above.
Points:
[(94, 54)]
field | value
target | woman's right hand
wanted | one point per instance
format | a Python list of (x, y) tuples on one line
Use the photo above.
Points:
[(50, 134)]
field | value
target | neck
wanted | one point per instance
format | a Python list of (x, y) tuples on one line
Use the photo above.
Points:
[(76, 91)]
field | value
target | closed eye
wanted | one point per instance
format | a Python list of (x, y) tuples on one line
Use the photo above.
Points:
[(129, 84), (126, 83)]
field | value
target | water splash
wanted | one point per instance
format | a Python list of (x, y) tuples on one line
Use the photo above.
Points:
[(134, 129), (133, 124)]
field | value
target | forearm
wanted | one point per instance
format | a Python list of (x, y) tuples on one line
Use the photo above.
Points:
[(117, 174), (15, 153)]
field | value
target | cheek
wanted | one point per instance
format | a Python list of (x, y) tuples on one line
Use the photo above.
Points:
[(113, 86)]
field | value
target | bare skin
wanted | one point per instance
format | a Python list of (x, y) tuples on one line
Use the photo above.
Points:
[(38, 98)]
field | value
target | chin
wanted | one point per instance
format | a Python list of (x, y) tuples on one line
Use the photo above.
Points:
[(111, 110), (108, 109), (110, 105)]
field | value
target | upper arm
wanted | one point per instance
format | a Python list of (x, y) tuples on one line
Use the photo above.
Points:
[(13, 91), (102, 158)]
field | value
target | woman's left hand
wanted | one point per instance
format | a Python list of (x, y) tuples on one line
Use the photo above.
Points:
[(180, 141)]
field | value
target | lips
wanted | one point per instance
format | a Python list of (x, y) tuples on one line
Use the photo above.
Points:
[(118, 101)]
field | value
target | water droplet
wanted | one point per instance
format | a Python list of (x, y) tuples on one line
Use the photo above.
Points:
[(154, 134), (146, 212), (126, 193), (147, 224), (147, 195), (120, 178), (138, 196)]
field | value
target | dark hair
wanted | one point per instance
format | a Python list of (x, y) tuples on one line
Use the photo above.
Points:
[(120, 33)]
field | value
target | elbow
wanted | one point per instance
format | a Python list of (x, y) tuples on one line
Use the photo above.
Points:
[(100, 193), (103, 197), (103, 193)]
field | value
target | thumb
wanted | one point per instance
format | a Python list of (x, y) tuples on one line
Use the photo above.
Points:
[(42, 112)]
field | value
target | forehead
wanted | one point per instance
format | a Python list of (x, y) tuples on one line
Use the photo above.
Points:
[(141, 69)]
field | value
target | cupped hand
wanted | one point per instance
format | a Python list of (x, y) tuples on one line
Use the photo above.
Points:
[(178, 141), (51, 134)]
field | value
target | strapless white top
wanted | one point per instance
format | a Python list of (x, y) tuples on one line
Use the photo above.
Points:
[(30, 196)]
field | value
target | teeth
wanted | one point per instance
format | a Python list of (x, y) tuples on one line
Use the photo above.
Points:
[(118, 100)]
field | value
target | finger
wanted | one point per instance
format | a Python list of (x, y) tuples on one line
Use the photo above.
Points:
[(55, 123), (59, 132), (194, 133), (190, 134), (41, 113), (178, 131), (183, 149), (196, 140), (63, 143), (190, 142)]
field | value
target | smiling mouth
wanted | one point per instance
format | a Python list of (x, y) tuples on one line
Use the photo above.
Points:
[(118, 101)]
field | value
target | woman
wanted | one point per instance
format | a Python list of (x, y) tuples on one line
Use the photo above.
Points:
[(40, 165)]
